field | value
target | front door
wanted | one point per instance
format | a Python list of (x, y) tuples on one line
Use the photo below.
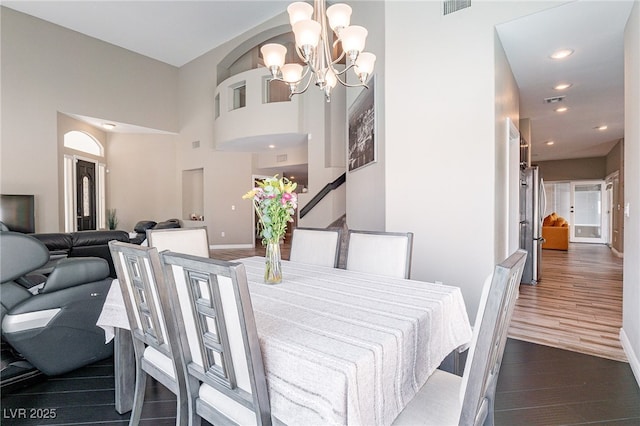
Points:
[(86, 195)]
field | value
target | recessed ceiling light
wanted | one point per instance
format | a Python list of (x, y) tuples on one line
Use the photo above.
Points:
[(561, 109), (550, 143), (603, 127), (108, 126), (562, 86), (561, 53), (272, 146)]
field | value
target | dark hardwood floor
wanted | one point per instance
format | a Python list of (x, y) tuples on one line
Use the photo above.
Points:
[(542, 385), (538, 385)]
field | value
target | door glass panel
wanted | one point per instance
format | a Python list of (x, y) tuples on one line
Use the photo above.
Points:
[(558, 198), (86, 209)]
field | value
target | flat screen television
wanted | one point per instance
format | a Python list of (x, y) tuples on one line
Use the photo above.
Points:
[(18, 212)]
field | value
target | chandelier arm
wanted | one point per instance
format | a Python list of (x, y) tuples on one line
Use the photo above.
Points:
[(309, 64), (336, 72), (304, 75), (342, 55), (306, 72), (306, 86), (344, 83)]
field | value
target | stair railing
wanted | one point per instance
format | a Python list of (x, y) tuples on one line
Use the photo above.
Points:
[(323, 193)]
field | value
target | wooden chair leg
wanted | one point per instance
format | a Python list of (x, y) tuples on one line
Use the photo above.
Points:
[(138, 397), (182, 411)]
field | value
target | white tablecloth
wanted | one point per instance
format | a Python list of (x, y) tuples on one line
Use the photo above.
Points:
[(341, 347), (113, 312)]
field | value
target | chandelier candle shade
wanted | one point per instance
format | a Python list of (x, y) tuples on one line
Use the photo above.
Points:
[(275, 203), (313, 46)]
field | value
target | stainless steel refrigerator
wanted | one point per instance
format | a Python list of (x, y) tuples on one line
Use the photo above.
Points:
[(532, 208)]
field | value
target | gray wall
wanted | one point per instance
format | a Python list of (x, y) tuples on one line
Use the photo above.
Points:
[(577, 169), (46, 70)]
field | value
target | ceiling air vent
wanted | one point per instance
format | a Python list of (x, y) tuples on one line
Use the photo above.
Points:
[(554, 100), (451, 6), (195, 144), (281, 158)]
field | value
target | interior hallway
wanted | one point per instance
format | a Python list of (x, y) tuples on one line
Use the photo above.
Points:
[(577, 305)]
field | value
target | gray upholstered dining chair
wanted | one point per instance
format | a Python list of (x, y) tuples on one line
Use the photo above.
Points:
[(447, 399), (219, 341), (380, 253), (192, 241), (316, 246), (143, 286)]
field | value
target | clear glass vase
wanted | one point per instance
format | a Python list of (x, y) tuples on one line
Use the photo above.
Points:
[(273, 267)]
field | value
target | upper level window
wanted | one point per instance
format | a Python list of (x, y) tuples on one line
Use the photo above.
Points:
[(274, 91), (83, 142), (239, 95)]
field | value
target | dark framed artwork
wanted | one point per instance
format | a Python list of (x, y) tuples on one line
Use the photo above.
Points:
[(362, 129)]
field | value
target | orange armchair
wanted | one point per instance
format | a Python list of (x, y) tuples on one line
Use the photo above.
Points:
[(555, 231)]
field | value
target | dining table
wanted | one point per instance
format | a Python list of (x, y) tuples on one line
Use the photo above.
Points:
[(338, 346)]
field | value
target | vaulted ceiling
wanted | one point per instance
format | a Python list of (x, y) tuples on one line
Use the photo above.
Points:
[(177, 32)]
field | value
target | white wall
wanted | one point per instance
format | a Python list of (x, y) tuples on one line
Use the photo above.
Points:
[(631, 270), (318, 117), (442, 141), (256, 118), (366, 186), (507, 157), (47, 69)]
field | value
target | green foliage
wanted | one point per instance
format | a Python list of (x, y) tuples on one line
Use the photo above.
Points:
[(112, 219), (275, 203)]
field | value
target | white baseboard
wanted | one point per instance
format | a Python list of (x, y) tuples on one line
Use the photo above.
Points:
[(634, 360), (230, 246)]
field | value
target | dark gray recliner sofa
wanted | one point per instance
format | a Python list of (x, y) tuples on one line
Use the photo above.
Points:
[(80, 244), (55, 329), (143, 226)]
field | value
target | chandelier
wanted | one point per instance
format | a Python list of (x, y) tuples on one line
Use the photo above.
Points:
[(313, 46)]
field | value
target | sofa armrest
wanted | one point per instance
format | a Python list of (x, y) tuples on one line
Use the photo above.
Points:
[(556, 237), (56, 242)]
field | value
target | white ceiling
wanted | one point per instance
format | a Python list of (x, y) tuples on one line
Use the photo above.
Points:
[(177, 32), (595, 31), (174, 32)]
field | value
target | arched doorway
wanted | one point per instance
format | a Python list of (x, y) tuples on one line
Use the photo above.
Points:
[(84, 178)]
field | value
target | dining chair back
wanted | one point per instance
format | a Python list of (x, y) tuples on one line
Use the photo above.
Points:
[(143, 287), (380, 253), (192, 241), (447, 399), (219, 341), (316, 246)]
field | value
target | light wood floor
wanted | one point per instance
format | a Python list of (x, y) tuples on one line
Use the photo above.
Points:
[(577, 305)]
